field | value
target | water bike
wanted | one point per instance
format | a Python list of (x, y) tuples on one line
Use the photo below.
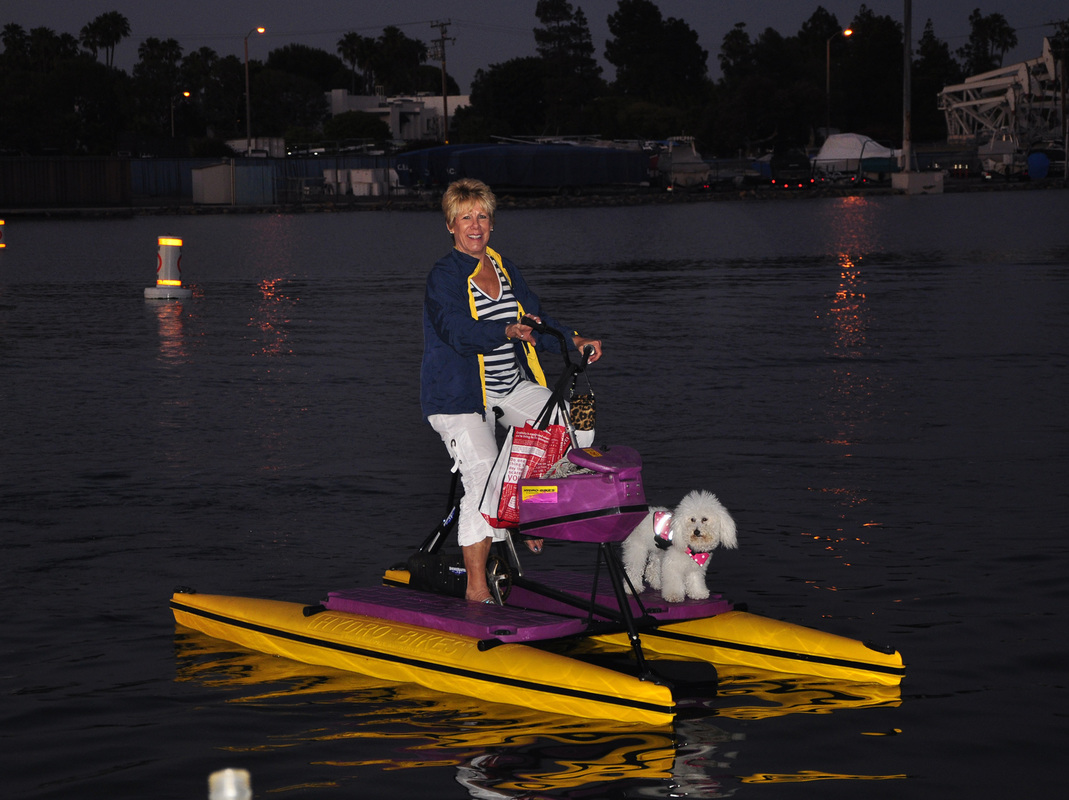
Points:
[(580, 643)]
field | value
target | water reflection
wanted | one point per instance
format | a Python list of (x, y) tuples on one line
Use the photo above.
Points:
[(499, 750), (848, 310), (811, 775), (173, 406), (849, 397), (171, 321), (751, 694), (272, 317), (853, 224)]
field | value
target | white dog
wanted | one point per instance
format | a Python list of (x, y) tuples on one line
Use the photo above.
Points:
[(671, 549)]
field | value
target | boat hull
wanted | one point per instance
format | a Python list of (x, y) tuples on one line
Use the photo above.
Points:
[(509, 673), (713, 631), (742, 639)]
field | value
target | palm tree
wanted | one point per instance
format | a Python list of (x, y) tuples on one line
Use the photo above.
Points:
[(47, 49), (16, 43), (990, 39), (89, 36), (103, 33), (356, 51), (1003, 37)]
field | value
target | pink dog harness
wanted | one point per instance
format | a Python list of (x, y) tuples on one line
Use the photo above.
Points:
[(662, 533)]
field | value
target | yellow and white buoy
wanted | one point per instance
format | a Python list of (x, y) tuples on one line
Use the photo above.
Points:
[(168, 271)]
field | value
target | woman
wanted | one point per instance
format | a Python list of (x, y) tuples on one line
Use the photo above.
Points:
[(479, 361)]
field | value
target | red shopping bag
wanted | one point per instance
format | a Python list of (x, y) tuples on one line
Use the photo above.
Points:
[(527, 452)]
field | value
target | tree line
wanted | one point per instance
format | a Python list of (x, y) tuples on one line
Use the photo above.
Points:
[(774, 90), (62, 94)]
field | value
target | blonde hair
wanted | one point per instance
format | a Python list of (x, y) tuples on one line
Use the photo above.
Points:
[(463, 194)]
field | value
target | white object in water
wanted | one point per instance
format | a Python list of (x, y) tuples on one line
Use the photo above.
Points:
[(168, 271), (230, 784)]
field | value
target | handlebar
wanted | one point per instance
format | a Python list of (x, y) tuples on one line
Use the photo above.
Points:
[(543, 328), (567, 377)]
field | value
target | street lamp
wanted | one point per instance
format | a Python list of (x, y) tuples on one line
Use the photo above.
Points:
[(184, 94), (248, 103), (827, 80)]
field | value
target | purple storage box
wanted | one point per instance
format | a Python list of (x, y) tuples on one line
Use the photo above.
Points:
[(601, 507)]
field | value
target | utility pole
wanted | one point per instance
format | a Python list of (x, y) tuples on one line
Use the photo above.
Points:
[(438, 54), (907, 87), (1063, 52)]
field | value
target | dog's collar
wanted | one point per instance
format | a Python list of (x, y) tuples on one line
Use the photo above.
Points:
[(662, 536), (699, 558)]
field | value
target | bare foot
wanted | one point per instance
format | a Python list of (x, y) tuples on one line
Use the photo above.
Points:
[(475, 556)]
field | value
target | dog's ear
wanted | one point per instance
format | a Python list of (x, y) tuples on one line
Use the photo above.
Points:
[(728, 537)]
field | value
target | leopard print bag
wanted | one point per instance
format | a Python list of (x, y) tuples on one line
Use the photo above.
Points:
[(582, 409)]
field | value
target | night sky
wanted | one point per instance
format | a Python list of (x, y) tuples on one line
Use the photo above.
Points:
[(488, 32)]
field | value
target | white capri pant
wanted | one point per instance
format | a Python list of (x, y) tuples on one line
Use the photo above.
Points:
[(472, 442)]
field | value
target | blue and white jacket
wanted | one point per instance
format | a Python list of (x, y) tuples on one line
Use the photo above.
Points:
[(455, 339)]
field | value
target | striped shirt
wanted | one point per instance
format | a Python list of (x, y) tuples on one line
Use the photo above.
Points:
[(500, 367)]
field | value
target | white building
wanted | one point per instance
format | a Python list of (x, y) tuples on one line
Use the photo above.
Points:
[(409, 117)]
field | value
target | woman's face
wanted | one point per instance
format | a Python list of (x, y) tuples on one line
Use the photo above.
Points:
[(471, 230)]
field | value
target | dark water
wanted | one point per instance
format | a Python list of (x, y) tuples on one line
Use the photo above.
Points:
[(875, 388)]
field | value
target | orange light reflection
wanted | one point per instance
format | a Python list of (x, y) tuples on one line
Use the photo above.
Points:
[(849, 398), (172, 327), (273, 317)]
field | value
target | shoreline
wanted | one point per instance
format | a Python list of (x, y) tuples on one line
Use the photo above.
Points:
[(431, 202)]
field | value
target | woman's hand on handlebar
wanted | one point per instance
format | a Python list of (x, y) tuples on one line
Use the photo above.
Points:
[(517, 330), (580, 343)]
